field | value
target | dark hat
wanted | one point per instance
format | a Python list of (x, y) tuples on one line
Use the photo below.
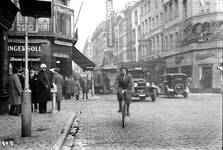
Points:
[(57, 69), (124, 68), (15, 70), (31, 68)]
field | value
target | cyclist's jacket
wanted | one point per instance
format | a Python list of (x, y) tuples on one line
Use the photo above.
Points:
[(124, 82)]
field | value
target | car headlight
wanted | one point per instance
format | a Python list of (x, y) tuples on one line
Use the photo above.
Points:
[(147, 84), (135, 84)]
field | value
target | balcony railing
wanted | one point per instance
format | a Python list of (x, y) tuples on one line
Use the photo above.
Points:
[(44, 29)]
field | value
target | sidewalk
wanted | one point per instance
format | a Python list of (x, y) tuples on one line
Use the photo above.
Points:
[(48, 130)]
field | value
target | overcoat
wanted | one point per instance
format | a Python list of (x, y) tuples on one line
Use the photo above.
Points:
[(33, 81), (58, 80), (43, 87), (76, 87), (68, 86), (14, 89)]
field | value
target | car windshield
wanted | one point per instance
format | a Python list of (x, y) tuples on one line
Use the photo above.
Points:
[(179, 77)]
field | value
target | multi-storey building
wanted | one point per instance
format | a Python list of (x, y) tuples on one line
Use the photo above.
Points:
[(182, 36), (8, 11), (51, 44), (193, 35)]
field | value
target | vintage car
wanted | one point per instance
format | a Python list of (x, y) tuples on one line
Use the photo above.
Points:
[(143, 89), (174, 84)]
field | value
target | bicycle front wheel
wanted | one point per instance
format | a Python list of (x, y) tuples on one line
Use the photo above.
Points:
[(123, 113)]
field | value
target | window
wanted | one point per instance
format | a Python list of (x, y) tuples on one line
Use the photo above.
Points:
[(171, 10), (161, 18), (177, 40), (146, 26), (139, 32), (162, 44), (136, 17), (166, 14), (157, 20), (150, 27), (154, 45), (171, 41), (185, 8), (143, 27), (149, 8), (176, 9), (153, 21), (142, 10), (156, 4), (157, 43), (166, 39)]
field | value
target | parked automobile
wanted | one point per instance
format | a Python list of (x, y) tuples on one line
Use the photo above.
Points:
[(174, 84)]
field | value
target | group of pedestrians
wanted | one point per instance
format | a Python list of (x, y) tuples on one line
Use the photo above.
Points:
[(40, 83)]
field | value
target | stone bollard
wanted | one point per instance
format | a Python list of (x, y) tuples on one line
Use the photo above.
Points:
[(54, 92)]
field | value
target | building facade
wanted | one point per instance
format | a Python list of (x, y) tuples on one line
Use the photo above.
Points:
[(51, 44), (176, 36)]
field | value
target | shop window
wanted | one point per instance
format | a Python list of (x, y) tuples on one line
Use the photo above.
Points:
[(187, 70), (205, 75), (172, 70)]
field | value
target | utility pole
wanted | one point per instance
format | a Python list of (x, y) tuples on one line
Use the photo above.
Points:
[(26, 96)]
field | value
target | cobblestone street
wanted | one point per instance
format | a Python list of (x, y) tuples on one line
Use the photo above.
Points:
[(168, 123)]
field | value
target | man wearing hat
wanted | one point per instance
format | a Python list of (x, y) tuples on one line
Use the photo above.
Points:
[(43, 88), (58, 80), (15, 92)]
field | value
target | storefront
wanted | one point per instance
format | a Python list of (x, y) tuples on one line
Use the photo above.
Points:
[(205, 73), (37, 51), (200, 66), (62, 57)]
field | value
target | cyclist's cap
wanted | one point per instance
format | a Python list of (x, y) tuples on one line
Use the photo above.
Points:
[(124, 68)]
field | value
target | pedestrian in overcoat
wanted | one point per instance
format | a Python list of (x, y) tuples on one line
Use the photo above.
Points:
[(43, 88), (33, 78), (85, 87), (15, 91), (58, 80), (76, 88)]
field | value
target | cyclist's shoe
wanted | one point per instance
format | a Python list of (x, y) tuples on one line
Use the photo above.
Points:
[(128, 113), (119, 110)]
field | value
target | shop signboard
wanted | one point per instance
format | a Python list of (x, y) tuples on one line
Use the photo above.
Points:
[(109, 23), (18, 49)]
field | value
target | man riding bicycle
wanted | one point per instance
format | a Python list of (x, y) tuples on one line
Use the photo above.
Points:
[(124, 82)]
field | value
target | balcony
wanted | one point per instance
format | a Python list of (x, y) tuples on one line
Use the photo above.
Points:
[(44, 29)]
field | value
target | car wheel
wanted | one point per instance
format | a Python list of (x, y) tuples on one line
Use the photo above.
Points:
[(142, 98), (185, 95), (157, 93), (153, 96)]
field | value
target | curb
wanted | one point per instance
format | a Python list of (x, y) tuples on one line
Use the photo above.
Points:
[(57, 145)]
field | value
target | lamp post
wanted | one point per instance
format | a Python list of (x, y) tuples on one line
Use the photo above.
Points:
[(33, 8), (26, 96)]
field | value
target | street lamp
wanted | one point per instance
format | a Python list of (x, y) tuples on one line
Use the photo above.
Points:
[(33, 8)]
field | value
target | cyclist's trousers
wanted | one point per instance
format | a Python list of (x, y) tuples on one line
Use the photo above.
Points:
[(127, 94)]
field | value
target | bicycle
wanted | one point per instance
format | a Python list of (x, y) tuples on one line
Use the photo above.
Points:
[(123, 107)]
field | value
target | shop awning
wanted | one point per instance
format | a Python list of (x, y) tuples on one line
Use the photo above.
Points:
[(81, 60)]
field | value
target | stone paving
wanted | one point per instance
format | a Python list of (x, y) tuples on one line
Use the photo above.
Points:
[(168, 123), (46, 128)]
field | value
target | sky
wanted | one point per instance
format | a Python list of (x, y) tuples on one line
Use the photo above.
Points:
[(91, 15)]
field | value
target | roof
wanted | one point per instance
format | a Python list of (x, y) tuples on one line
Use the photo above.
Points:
[(171, 74), (82, 60)]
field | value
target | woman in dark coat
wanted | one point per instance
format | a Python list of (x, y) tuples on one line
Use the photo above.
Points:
[(33, 87), (43, 88)]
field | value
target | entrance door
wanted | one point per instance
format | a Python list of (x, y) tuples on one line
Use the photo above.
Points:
[(207, 75)]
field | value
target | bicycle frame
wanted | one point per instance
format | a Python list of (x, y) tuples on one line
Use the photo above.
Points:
[(124, 108)]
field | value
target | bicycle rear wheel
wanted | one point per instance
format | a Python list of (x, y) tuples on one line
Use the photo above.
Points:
[(123, 113)]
